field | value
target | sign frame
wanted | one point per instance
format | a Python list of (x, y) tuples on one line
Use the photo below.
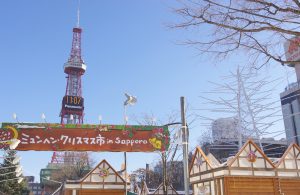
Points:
[(86, 137)]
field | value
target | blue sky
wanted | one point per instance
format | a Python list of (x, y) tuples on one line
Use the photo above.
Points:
[(127, 47)]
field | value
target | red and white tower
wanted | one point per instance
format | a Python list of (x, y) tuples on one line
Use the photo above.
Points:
[(72, 110)]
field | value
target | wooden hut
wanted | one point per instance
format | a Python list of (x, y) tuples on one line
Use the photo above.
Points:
[(288, 171), (250, 171), (103, 179)]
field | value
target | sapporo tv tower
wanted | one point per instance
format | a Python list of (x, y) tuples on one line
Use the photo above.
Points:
[(72, 110)]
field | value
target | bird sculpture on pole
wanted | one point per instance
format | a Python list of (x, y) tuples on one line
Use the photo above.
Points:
[(131, 100)]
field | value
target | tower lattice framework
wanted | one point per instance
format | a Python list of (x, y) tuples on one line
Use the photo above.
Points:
[(72, 110)]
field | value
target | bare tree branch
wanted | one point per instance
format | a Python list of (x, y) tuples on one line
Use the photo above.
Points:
[(258, 27)]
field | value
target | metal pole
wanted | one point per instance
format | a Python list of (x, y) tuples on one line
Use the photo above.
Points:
[(125, 156), (185, 147), (125, 160), (164, 164)]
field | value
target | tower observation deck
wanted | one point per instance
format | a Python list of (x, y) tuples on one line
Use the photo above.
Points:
[(72, 110)]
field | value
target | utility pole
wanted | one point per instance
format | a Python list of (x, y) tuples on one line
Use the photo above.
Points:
[(164, 165), (185, 147)]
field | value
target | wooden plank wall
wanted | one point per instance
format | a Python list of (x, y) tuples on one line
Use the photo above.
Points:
[(261, 186), (289, 186), (67, 192), (102, 192), (95, 192), (249, 186)]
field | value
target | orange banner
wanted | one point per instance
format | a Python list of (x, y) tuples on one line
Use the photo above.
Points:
[(113, 138)]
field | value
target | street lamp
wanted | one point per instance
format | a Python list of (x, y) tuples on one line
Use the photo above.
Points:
[(15, 117), (130, 100), (43, 116), (100, 119)]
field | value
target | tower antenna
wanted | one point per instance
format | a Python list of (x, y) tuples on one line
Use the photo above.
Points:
[(78, 14)]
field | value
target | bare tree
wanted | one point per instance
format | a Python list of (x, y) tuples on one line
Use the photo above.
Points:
[(258, 27), (205, 137), (245, 97), (150, 119), (139, 176), (167, 157), (78, 164)]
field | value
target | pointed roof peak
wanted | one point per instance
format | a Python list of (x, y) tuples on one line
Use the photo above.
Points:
[(201, 157), (293, 147), (255, 149), (108, 166)]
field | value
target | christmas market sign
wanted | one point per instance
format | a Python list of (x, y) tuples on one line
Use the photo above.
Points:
[(71, 137)]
